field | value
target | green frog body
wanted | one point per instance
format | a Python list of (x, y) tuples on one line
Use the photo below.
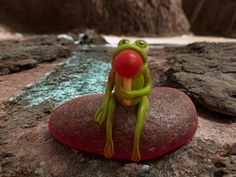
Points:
[(128, 84)]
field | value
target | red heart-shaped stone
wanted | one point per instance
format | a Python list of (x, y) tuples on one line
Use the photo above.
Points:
[(170, 122)]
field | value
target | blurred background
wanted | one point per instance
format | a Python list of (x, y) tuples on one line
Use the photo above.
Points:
[(121, 17)]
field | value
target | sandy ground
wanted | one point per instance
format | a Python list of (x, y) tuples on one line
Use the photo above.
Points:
[(13, 83), (6, 35), (177, 40), (222, 131)]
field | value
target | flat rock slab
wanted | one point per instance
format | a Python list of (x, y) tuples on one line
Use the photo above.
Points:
[(17, 55), (170, 122), (207, 72)]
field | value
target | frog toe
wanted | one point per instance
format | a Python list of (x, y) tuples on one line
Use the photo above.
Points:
[(136, 156), (100, 116), (109, 149)]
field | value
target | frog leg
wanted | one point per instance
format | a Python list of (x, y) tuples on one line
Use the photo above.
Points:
[(142, 110), (109, 147), (101, 114)]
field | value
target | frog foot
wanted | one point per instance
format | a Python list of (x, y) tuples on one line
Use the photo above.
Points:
[(99, 120), (136, 156), (100, 116), (109, 149)]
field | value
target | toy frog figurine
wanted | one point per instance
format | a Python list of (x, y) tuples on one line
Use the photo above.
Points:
[(128, 84)]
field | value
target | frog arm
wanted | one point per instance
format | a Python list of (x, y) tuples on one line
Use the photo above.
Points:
[(110, 85), (142, 92), (101, 114)]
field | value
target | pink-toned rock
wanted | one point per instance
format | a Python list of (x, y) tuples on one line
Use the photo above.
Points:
[(170, 122)]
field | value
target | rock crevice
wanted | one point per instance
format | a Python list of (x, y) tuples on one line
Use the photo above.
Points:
[(206, 71)]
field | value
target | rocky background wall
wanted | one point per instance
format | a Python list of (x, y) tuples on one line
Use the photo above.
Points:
[(140, 17), (211, 17)]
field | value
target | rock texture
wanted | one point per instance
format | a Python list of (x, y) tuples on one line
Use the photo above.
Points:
[(211, 17), (111, 17), (170, 123), (28, 149), (19, 55), (207, 72)]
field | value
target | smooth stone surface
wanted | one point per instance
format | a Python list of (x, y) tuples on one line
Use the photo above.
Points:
[(170, 122), (207, 72)]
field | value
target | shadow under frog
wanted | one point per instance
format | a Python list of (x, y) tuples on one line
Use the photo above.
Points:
[(128, 84)]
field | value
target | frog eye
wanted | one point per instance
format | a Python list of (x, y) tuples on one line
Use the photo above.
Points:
[(141, 43), (124, 41)]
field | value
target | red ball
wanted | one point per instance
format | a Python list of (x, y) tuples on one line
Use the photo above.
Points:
[(127, 63)]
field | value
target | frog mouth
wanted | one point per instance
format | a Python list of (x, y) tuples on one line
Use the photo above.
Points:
[(127, 63)]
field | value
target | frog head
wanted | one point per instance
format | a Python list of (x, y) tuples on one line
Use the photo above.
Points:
[(129, 58)]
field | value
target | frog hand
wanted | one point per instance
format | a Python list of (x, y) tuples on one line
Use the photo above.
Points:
[(125, 93), (101, 114)]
